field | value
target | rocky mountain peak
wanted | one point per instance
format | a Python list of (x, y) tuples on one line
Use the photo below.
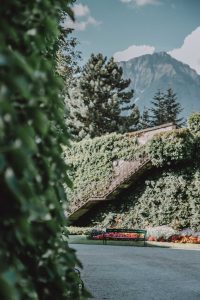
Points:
[(159, 70)]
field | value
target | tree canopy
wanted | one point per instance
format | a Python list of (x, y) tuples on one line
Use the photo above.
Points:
[(165, 108), (99, 102)]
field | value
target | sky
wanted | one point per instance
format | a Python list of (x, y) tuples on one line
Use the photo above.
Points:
[(129, 28)]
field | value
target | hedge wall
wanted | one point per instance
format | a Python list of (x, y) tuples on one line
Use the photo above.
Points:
[(35, 262)]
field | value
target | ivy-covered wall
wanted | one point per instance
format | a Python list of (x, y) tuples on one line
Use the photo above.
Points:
[(171, 193), (167, 196), (91, 161)]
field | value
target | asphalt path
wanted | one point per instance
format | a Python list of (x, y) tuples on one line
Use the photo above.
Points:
[(140, 273)]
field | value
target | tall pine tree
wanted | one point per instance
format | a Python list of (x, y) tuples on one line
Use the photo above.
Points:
[(165, 108), (173, 108), (145, 121), (158, 108), (100, 102)]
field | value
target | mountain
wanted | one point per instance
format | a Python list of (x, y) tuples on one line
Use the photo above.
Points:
[(151, 72)]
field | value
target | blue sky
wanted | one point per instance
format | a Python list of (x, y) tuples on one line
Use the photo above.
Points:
[(110, 26)]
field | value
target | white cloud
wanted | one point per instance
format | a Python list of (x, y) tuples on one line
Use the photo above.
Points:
[(81, 25), (132, 52), (83, 18), (141, 2), (125, 1), (81, 10), (189, 52)]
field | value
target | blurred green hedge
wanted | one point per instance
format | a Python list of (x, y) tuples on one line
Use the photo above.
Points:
[(35, 262)]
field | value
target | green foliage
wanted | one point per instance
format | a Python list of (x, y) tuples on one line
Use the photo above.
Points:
[(170, 197), (91, 161), (35, 262), (145, 121), (194, 123), (99, 101), (80, 230), (172, 108), (67, 56), (165, 108), (174, 146), (157, 110)]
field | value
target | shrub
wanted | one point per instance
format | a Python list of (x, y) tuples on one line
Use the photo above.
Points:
[(161, 232), (73, 230)]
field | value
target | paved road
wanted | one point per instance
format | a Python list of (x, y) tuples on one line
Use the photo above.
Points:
[(137, 273)]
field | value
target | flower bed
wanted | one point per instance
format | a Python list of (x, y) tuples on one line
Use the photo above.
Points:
[(116, 235), (177, 239), (155, 234), (167, 234)]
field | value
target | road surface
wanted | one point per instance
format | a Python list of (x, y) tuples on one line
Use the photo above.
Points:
[(140, 273)]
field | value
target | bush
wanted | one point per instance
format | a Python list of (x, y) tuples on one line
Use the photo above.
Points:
[(161, 232), (81, 230), (35, 261), (194, 123), (174, 146)]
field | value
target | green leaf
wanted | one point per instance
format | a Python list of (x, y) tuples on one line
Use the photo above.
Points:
[(41, 122)]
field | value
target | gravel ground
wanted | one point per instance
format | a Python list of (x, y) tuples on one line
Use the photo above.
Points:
[(140, 273)]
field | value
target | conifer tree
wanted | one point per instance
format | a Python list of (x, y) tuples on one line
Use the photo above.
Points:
[(158, 109), (100, 102), (165, 108), (173, 108), (145, 121), (67, 55)]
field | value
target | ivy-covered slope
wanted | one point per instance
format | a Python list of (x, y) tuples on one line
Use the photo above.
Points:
[(169, 195), (91, 161)]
